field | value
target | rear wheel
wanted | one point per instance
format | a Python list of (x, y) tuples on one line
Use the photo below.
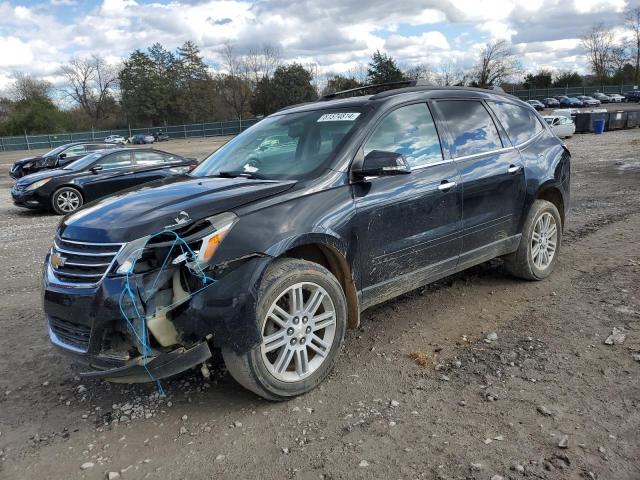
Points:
[(302, 316), (66, 200), (539, 246)]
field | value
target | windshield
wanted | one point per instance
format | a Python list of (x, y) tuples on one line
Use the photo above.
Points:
[(55, 151), (83, 162), (290, 146)]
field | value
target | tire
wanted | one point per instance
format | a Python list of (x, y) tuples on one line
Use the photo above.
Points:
[(529, 262), (257, 370), (73, 202)]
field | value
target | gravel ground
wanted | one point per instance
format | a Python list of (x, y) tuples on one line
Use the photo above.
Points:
[(479, 376)]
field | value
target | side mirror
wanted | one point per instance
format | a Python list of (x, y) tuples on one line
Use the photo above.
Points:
[(381, 163), (62, 155), (95, 169)]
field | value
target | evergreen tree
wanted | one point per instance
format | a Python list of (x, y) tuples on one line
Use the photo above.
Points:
[(383, 69)]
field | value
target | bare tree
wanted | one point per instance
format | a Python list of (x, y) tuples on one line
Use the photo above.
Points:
[(236, 82), (448, 73), (618, 58), (25, 87), (263, 61), (420, 71), (90, 83), (598, 43), (496, 64), (632, 23)]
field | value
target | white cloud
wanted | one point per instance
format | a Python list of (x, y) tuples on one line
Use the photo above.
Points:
[(15, 52)]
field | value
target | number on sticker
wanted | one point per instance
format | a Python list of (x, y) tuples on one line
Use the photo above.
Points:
[(339, 117)]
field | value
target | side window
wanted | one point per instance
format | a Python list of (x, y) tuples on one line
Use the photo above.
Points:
[(75, 151), (145, 159), (470, 125), (520, 123), (116, 160), (410, 131)]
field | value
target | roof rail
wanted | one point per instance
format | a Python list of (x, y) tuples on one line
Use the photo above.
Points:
[(374, 88)]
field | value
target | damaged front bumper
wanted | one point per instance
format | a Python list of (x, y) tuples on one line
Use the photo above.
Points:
[(87, 323)]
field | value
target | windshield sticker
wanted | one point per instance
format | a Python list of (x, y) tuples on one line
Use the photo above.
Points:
[(339, 117), (250, 168)]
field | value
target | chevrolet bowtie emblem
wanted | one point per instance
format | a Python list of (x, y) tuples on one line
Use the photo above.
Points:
[(183, 217), (57, 261)]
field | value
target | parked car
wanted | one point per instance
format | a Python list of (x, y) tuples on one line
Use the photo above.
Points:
[(65, 190), (551, 102), (538, 105), (161, 136), (117, 139), (588, 101), (142, 138), (570, 102), (565, 112), (561, 125), (632, 96), (616, 97), (58, 157), (602, 97), (363, 202)]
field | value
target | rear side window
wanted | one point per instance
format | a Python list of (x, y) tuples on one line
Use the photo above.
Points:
[(150, 158), (116, 160), (471, 127), (520, 123), (410, 131)]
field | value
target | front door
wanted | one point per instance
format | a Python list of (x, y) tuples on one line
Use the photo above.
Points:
[(408, 225), (116, 174)]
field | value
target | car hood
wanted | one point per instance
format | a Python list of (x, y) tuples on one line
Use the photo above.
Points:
[(150, 209), (41, 175), (22, 161)]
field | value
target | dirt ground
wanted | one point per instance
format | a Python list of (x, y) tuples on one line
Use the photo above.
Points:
[(547, 399)]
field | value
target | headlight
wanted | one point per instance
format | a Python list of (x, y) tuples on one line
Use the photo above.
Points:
[(36, 185), (220, 224)]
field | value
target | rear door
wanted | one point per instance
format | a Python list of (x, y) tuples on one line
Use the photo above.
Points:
[(492, 178), (150, 165), (70, 154), (116, 174), (408, 225)]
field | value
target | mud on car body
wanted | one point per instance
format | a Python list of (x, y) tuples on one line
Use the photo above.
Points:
[(270, 250)]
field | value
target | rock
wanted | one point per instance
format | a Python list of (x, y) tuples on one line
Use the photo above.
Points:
[(394, 403), (499, 438), (497, 477), (564, 442), (492, 337), (219, 458), (237, 424), (183, 431), (516, 467), (476, 467), (363, 464), (636, 357), (487, 441), (285, 451), (617, 337), (545, 411), (113, 475), (462, 403), (184, 418), (87, 466)]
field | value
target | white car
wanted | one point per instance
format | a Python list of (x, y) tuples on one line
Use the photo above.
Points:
[(561, 125), (117, 139), (616, 97)]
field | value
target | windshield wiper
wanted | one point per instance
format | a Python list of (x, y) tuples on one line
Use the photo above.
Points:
[(240, 173)]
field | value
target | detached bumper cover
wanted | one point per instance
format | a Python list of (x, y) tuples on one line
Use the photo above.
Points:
[(162, 366)]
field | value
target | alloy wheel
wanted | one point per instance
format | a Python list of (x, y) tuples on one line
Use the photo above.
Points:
[(68, 201), (298, 332), (544, 240)]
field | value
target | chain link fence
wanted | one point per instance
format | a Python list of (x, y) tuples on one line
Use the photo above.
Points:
[(195, 130)]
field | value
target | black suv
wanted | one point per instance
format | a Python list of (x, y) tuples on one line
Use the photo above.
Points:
[(276, 243), (58, 157)]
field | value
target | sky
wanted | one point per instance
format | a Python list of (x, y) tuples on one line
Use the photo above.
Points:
[(37, 37)]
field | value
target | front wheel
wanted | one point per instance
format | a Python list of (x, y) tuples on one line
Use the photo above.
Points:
[(539, 246), (302, 315), (66, 200)]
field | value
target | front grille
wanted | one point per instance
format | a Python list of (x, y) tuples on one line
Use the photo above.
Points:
[(71, 334), (81, 263)]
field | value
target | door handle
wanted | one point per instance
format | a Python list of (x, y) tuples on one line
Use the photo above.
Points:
[(513, 169), (446, 186)]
